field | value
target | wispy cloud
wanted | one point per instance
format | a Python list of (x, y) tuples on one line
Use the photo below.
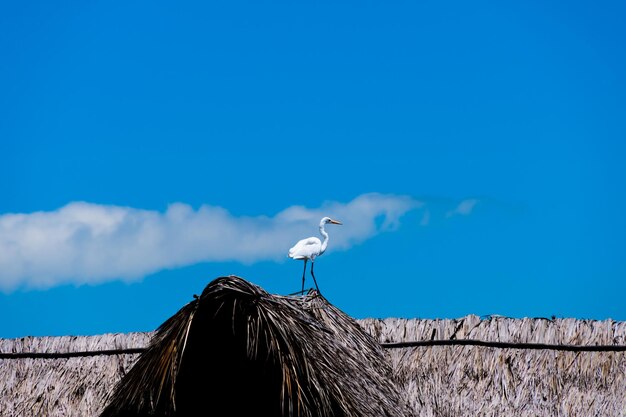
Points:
[(91, 243), (464, 208)]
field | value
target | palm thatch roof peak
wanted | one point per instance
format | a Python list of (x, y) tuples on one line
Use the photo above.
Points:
[(240, 348)]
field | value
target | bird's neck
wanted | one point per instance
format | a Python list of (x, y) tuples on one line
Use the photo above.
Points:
[(325, 241)]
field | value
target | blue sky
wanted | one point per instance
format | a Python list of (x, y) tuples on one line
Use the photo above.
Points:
[(475, 152)]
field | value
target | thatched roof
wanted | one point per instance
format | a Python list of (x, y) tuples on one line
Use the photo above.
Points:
[(254, 342), (488, 381), (241, 349), (63, 386)]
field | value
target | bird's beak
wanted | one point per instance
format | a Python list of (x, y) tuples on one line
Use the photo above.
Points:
[(334, 221)]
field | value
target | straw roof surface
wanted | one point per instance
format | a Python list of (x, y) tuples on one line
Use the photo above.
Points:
[(488, 381), (307, 356), (63, 386)]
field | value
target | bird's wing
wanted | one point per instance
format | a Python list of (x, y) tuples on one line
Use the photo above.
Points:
[(305, 248)]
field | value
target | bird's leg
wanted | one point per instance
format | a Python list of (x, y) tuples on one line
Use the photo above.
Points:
[(303, 275), (313, 275)]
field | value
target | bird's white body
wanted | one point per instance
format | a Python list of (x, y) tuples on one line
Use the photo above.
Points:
[(311, 247), (308, 248)]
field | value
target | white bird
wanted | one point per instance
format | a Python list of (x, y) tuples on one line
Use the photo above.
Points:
[(311, 248)]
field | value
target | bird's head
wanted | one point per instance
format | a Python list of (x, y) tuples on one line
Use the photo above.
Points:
[(327, 220)]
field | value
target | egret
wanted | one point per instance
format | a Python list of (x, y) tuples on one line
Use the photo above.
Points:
[(310, 248)]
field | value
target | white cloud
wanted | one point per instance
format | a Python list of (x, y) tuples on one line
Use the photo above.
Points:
[(90, 243), (464, 208)]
